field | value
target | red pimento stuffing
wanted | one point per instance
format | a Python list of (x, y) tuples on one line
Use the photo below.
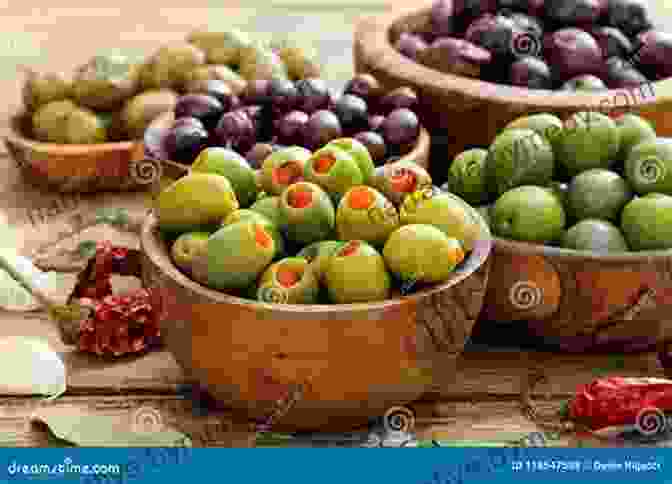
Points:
[(262, 237), (324, 163), (403, 181), (288, 173), (300, 197), (360, 198), (287, 277), (350, 248)]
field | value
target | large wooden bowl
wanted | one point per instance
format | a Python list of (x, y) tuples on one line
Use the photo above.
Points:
[(354, 361), (582, 301), (73, 168), (461, 112), (419, 154)]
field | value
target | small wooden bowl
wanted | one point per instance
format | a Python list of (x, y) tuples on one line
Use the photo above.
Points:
[(462, 112), (419, 154), (581, 301), (80, 168), (352, 361)]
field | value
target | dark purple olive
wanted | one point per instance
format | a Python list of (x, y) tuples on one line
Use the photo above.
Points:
[(188, 120), (200, 106), (654, 53), (220, 90), (612, 41), (365, 86), (313, 95), (262, 116), (258, 153), (620, 73), (585, 82), (630, 16), (401, 97), (375, 144), (185, 142), (442, 17), (572, 52), (375, 122), (534, 8), (495, 33), (410, 45), (284, 95), (154, 143), (497, 71), (527, 23), (456, 56), (574, 12), (401, 127), (353, 113), (322, 127), (257, 92), (531, 72), (470, 9), (236, 130), (288, 129)]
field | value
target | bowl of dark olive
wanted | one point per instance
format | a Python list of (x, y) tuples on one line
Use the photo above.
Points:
[(477, 65), (270, 115)]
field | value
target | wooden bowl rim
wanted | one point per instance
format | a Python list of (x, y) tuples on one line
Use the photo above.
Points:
[(17, 137), (530, 249), (372, 35), (422, 144), (152, 247)]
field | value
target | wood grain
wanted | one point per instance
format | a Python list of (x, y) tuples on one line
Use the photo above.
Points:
[(479, 374)]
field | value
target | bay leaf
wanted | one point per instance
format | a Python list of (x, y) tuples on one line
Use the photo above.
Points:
[(29, 366), (104, 431)]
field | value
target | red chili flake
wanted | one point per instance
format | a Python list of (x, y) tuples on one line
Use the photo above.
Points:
[(119, 324)]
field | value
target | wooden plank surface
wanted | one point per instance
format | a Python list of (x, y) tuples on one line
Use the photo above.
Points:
[(448, 421), (483, 389), (479, 374)]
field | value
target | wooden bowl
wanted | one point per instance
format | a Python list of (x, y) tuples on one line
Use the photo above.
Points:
[(80, 168), (350, 362), (419, 154), (461, 112), (582, 301)]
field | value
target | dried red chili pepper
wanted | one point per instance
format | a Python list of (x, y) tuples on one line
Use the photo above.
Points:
[(640, 404), (621, 402), (120, 324)]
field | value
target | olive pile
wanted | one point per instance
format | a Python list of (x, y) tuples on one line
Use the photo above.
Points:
[(537, 44), (270, 114), (115, 98)]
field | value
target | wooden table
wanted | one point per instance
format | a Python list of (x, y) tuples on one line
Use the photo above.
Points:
[(479, 401)]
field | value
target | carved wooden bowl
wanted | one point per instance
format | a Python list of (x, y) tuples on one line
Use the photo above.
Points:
[(461, 112), (338, 365), (419, 154), (74, 168), (582, 301)]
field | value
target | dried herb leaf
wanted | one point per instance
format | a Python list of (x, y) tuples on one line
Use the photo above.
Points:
[(87, 248), (112, 216), (105, 431)]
